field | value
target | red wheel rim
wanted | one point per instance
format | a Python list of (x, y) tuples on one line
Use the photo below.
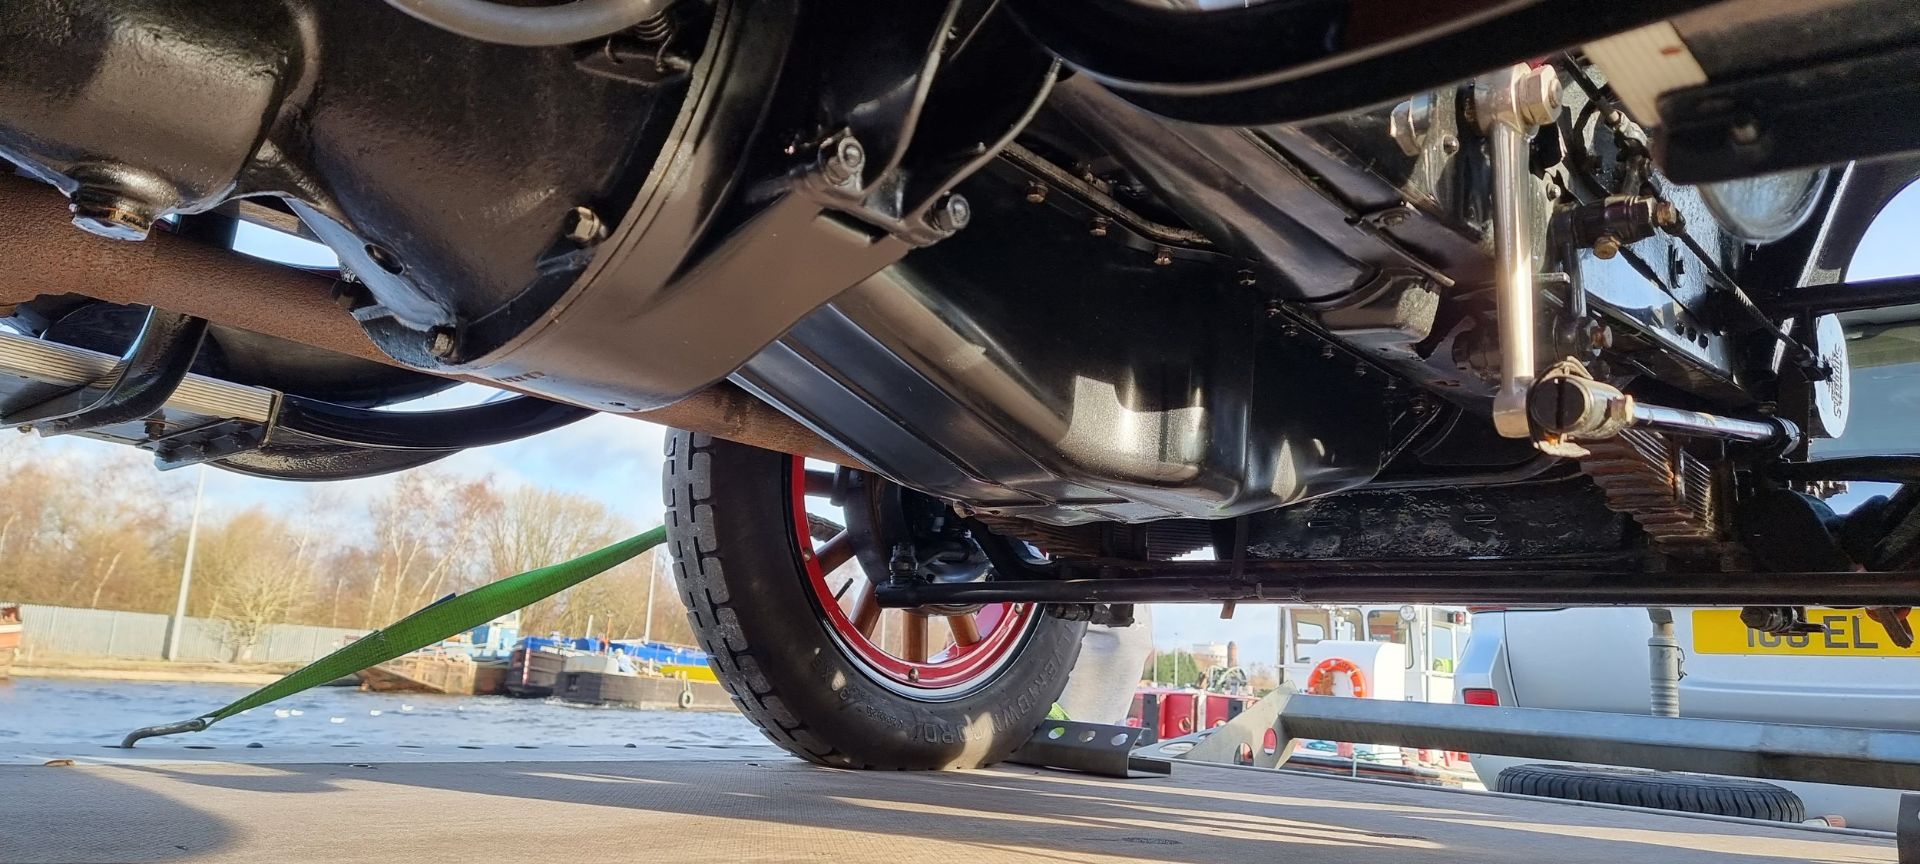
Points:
[(995, 630)]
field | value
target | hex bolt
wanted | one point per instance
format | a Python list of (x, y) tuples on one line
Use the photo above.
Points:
[(1162, 256), (442, 343), (1099, 226), (1606, 246), (1327, 352), (1247, 279), (1290, 330), (953, 213), (106, 214), (1745, 133), (844, 161), (1360, 370), (584, 228), (1537, 96), (1036, 192)]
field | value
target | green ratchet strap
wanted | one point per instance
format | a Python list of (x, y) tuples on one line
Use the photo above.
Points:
[(455, 614)]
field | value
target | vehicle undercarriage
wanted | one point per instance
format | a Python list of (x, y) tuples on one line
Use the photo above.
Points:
[(1497, 301)]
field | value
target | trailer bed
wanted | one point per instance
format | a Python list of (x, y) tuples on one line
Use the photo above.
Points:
[(753, 804)]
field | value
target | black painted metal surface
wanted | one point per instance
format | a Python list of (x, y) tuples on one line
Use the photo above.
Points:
[(145, 378), (981, 369), (1093, 748), (1293, 60), (1503, 582)]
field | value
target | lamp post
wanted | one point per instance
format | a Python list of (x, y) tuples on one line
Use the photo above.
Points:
[(178, 621)]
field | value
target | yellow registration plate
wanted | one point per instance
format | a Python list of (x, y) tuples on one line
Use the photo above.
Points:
[(1850, 633)]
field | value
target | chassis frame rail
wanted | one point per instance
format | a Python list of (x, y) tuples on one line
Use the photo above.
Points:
[(1504, 582)]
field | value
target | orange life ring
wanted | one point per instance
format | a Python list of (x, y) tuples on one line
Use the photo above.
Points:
[(1321, 677)]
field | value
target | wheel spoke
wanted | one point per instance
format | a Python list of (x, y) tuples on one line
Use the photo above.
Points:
[(965, 631), (835, 552), (820, 483), (916, 638), (866, 611)]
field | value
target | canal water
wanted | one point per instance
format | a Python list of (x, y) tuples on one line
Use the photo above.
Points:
[(75, 713)]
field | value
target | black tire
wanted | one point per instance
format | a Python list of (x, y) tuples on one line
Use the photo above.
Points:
[(729, 526), (1660, 790)]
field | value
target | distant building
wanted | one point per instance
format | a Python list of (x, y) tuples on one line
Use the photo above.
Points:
[(1207, 655)]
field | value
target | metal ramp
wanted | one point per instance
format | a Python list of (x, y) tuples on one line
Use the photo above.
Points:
[(1263, 737), (688, 805)]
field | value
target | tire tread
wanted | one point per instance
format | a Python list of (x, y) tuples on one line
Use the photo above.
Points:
[(1685, 793)]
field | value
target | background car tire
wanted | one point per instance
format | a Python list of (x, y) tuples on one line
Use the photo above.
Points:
[(730, 528), (1660, 790)]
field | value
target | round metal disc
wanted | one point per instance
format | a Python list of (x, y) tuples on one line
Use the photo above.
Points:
[(1831, 398), (1766, 208)]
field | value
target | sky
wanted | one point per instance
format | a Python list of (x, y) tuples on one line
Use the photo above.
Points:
[(616, 460)]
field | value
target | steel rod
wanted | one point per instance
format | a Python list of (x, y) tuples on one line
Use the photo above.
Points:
[(1882, 758), (1513, 278), (1816, 300), (1701, 425)]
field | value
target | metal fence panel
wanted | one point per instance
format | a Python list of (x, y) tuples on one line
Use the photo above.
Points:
[(143, 636)]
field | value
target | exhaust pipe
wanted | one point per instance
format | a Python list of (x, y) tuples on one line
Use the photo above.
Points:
[(42, 253)]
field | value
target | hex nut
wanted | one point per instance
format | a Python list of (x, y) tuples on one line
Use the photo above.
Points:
[(953, 213), (584, 228), (1536, 96), (442, 342)]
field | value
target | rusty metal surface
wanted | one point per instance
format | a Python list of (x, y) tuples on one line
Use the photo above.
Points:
[(42, 253)]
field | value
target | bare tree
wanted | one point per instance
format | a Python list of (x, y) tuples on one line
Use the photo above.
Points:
[(257, 570), (529, 528), (425, 532)]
